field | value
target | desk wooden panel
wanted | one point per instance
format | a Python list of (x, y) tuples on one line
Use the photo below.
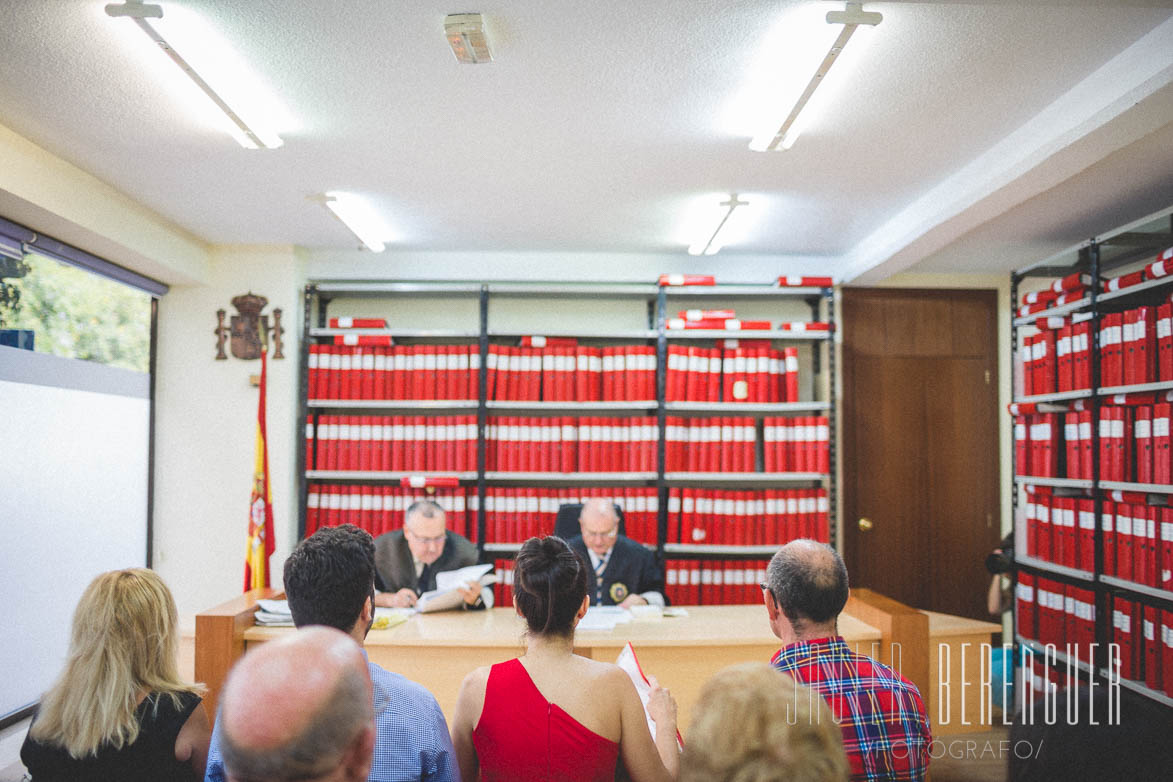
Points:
[(438, 650), (963, 638)]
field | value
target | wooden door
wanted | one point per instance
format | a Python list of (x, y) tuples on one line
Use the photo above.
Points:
[(920, 439)]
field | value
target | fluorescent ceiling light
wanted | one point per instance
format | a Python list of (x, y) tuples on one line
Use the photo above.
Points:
[(711, 241), (466, 36), (358, 217), (783, 136), (207, 62)]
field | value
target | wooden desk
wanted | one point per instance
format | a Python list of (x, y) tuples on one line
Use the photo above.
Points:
[(952, 638), (438, 650)]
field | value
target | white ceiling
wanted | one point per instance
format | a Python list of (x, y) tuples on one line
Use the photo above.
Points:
[(962, 137)]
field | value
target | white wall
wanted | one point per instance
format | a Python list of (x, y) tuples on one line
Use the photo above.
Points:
[(205, 428), (49, 195)]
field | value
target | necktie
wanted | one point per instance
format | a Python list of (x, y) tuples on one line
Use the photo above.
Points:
[(422, 586), (599, 579)]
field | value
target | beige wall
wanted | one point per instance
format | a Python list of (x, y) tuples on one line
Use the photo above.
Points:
[(205, 423)]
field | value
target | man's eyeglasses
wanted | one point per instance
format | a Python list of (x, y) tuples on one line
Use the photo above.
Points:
[(611, 533), (436, 541)]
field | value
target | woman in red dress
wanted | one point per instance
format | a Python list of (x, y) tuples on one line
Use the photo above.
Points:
[(551, 714)]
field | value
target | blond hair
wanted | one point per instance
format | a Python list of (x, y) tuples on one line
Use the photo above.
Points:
[(124, 644), (755, 724)]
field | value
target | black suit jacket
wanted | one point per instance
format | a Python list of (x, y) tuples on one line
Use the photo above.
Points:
[(631, 569), (394, 569)]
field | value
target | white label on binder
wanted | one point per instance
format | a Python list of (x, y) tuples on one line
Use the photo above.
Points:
[(538, 341), (1144, 429), (345, 323), (1160, 427), (740, 390)]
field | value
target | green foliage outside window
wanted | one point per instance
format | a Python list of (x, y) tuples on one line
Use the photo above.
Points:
[(77, 314)]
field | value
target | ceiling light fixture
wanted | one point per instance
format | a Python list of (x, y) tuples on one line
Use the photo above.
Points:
[(466, 36), (248, 135), (358, 217), (784, 136), (709, 243)]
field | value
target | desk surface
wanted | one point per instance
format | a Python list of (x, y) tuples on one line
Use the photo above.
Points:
[(949, 625), (740, 625)]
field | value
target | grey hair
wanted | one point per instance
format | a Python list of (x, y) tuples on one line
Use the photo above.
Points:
[(318, 749), (809, 582), (425, 508)]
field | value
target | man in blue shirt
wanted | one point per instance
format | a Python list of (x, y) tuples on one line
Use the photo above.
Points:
[(330, 580)]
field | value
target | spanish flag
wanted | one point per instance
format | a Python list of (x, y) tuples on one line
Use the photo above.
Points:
[(260, 519)]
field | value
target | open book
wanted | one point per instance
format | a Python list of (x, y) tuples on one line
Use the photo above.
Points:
[(630, 664), (446, 595)]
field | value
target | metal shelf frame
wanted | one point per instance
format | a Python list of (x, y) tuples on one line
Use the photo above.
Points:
[(318, 296), (1088, 257)]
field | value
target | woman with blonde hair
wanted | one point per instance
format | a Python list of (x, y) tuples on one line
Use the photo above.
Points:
[(119, 711), (754, 724)]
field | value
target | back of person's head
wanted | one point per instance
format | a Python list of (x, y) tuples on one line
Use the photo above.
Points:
[(124, 640), (1086, 737), (329, 577), (549, 584), (299, 708), (754, 724), (809, 582)]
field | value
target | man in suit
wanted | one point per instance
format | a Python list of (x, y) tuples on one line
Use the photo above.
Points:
[(407, 560), (625, 573)]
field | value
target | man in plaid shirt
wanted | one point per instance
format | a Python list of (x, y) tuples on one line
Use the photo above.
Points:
[(885, 730)]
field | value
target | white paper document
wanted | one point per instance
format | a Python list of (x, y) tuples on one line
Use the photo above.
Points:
[(603, 618), (630, 664), (446, 595)]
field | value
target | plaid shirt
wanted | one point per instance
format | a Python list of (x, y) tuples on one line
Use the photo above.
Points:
[(885, 730)]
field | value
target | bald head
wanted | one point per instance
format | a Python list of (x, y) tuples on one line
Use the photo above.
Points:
[(299, 708), (808, 583), (599, 524)]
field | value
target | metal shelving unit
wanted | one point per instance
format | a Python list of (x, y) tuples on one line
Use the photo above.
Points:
[(1099, 257), (319, 295)]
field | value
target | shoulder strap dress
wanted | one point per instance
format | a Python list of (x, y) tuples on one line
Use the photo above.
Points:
[(521, 735)]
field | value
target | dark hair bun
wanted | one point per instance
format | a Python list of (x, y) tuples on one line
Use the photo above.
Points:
[(550, 582)]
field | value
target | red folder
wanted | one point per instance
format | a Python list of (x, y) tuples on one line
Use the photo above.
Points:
[(1143, 436), (1025, 615), (1085, 536), (1036, 297), (686, 279), (358, 323), (791, 357), (1150, 635), (1123, 281), (804, 282), (538, 341), (1161, 266), (1071, 282)]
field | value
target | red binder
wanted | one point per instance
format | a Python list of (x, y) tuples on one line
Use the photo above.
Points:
[(1143, 436), (1108, 535), (791, 357), (1150, 634), (358, 323), (1123, 281), (1024, 596), (1085, 541), (1161, 266), (804, 282), (686, 279)]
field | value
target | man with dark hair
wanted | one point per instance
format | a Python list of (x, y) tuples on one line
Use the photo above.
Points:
[(407, 560), (885, 729), (299, 708), (330, 580)]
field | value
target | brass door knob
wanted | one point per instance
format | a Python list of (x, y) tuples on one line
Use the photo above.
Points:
[(865, 525)]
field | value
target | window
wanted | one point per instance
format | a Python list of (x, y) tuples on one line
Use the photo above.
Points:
[(75, 313)]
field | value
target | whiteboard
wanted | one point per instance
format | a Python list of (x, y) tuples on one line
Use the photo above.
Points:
[(73, 503)]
